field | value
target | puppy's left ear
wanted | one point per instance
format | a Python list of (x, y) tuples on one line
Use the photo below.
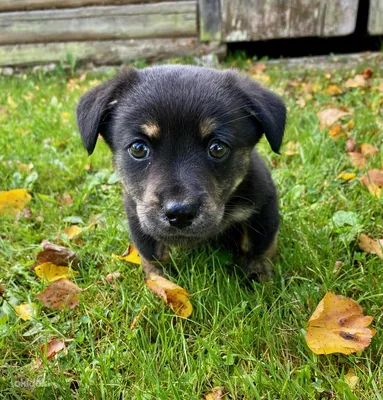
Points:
[(267, 108)]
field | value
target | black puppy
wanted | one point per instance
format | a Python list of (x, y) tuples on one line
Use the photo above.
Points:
[(183, 141)]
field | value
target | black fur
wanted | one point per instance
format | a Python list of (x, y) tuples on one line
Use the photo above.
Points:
[(235, 198)]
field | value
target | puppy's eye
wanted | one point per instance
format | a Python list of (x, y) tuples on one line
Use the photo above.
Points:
[(139, 150), (218, 149)]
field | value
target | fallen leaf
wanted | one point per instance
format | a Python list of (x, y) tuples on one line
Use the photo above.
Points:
[(66, 199), (137, 318), (256, 68), (356, 82), (333, 90), (59, 295), (175, 296), (113, 276), (371, 246), (347, 176), (357, 159), (338, 326), (131, 255), (368, 149), (367, 73), (336, 131), (73, 231), (51, 348), (301, 102), (373, 181), (13, 201), (59, 255), (292, 148), (350, 145), (329, 116), (11, 102), (49, 272), (25, 311), (217, 393), (2, 288), (351, 379)]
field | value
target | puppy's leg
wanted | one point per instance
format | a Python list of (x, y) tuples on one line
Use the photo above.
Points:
[(152, 253), (256, 241)]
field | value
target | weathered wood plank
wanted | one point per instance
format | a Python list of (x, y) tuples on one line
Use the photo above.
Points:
[(375, 17), (15, 5), (169, 19), (209, 20), (340, 17), (245, 20), (105, 52)]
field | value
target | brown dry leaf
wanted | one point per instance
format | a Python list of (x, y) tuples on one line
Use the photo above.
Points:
[(137, 318), (256, 68), (66, 199), (371, 246), (368, 149), (356, 82), (347, 176), (49, 272), (51, 348), (373, 181), (2, 288), (13, 201), (350, 145), (26, 311), (301, 102), (217, 393), (176, 297), (131, 255), (338, 326), (380, 87), (333, 90), (367, 73), (59, 295), (329, 116), (55, 254), (292, 148), (113, 276), (357, 159), (73, 231)]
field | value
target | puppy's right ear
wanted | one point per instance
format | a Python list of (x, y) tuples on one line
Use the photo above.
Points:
[(96, 107)]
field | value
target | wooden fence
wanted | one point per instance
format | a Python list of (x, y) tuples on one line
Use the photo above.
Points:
[(116, 31)]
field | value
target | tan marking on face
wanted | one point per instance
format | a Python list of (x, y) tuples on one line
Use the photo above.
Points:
[(207, 127), (151, 129)]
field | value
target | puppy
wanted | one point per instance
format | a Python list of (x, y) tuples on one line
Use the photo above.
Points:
[(183, 142)]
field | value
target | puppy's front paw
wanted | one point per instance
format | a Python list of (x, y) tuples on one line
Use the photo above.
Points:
[(260, 270), (151, 268)]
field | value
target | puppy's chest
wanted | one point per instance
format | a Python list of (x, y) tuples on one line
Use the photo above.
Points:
[(237, 213)]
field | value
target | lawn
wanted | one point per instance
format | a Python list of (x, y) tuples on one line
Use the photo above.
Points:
[(248, 338)]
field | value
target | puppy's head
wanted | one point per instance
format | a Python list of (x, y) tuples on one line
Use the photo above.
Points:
[(181, 139)]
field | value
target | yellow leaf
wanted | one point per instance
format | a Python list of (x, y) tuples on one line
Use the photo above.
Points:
[(351, 379), (336, 131), (13, 201), (131, 255), (49, 272), (217, 393), (292, 148), (338, 326), (11, 102), (176, 297), (347, 176), (72, 231), (372, 246), (65, 116), (333, 90), (25, 311)]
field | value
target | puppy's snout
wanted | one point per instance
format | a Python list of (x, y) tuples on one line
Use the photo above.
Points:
[(180, 213)]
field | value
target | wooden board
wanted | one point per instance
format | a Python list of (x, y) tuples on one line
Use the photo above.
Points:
[(209, 20), (168, 19), (106, 52), (14, 5), (246, 20), (375, 18)]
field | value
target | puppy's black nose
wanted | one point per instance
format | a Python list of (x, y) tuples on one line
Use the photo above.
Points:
[(180, 214)]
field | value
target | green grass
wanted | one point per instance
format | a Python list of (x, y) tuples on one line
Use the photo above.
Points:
[(249, 339)]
